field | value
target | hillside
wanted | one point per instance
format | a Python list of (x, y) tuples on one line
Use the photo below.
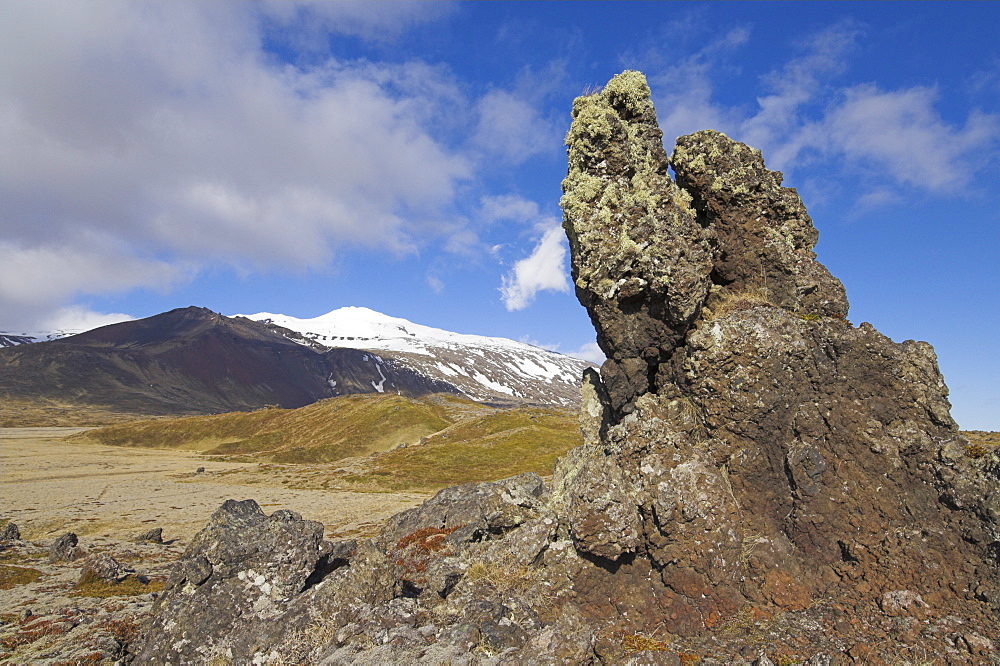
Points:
[(382, 441), (186, 361)]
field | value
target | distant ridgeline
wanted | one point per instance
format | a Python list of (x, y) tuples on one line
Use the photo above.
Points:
[(195, 361)]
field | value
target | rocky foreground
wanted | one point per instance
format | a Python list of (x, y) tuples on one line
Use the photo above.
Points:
[(77, 600), (763, 482)]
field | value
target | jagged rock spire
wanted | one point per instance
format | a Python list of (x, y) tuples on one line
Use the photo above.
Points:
[(641, 258), (651, 256)]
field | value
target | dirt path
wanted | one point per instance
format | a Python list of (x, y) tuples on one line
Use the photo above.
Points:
[(49, 486)]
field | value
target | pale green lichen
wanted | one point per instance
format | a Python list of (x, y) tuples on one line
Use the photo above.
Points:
[(613, 219), (629, 87)]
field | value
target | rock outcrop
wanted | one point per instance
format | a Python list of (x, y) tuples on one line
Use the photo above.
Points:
[(10, 532), (65, 548), (155, 535), (761, 480)]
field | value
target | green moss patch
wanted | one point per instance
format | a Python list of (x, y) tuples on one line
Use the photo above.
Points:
[(11, 576), (486, 448), (129, 587)]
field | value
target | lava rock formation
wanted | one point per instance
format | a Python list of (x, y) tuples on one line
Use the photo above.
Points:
[(761, 479)]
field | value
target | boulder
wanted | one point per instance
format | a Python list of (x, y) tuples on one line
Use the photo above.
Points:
[(101, 566), (154, 535), (247, 566), (65, 549), (10, 532)]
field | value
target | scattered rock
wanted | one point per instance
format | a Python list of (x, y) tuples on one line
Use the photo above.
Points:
[(55, 619), (10, 532), (244, 561), (65, 548), (101, 566), (757, 471), (154, 535)]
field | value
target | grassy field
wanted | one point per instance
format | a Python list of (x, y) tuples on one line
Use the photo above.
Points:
[(39, 413), (493, 446), (384, 442), (380, 442)]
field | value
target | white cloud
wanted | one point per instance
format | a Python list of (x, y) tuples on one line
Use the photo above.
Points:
[(435, 283), (377, 21), (876, 198), (36, 281), (777, 126), (166, 128), (512, 129), (589, 352), (508, 207), (511, 125), (544, 270), (77, 319), (897, 135), (683, 91), (900, 132), (44, 273)]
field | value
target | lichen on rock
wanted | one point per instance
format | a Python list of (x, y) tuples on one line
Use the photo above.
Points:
[(641, 259)]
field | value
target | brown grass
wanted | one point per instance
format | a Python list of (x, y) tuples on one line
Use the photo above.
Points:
[(325, 431), (747, 299), (981, 443), (41, 412), (500, 444), (504, 574), (633, 643), (410, 444), (32, 631)]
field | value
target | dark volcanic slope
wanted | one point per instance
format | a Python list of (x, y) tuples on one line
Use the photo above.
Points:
[(188, 361)]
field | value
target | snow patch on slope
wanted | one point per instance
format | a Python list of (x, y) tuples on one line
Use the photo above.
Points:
[(483, 367)]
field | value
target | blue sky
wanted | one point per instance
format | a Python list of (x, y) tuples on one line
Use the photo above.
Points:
[(407, 157)]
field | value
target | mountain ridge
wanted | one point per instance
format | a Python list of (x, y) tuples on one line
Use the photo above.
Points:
[(196, 361), (481, 367)]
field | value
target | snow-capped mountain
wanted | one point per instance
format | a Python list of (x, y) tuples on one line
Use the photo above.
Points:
[(483, 368), (13, 339), (195, 361)]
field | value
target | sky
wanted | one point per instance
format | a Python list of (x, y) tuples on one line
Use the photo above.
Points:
[(407, 157)]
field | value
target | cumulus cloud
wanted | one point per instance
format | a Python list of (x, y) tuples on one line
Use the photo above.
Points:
[(512, 129), (167, 128), (360, 18), (589, 352), (544, 269), (37, 280), (900, 132), (508, 207), (511, 124)]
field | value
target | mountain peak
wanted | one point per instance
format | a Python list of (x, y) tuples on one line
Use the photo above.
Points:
[(483, 368), (352, 325)]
